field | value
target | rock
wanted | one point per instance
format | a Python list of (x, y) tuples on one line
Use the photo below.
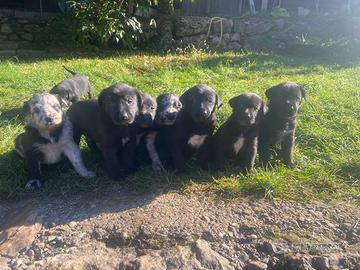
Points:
[(221, 24), (191, 25), (206, 218), (27, 37), (3, 37), (6, 29), (208, 257), (240, 26), (4, 263), (72, 224), (195, 40), (293, 262), (235, 37), (234, 46), (279, 24), (28, 27), (258, 28), (20, 231), (31, 253), (321, 263), (208, 236), (253, 236), (270, 248), (255, 266), (13, 37)]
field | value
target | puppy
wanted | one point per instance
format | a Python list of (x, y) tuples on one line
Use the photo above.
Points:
[(238, 136), (109, 123), (157, 139), (73, 89), (279, 123), (48, 136), (195, 122), (146, 116)]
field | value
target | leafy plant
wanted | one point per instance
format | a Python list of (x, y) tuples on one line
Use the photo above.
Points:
[(279, 12)]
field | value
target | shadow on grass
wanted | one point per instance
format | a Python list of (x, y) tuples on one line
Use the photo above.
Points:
[(15, 115)]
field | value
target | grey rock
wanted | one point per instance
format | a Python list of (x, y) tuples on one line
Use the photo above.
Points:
[(3, 37), (234, 46), (4, 263), (208, 257), (279, 24), (208, 236), (27, 37), (13, 37), (221, 26), (72, 224), (29, 27), (6, 29), (321, 263), (240, 26), (255, 265), (235, 37), (191, 25), (270, 248)]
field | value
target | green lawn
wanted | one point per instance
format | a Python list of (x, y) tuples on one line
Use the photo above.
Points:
[(327, 151)]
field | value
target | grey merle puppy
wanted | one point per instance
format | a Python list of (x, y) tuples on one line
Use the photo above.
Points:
[(279, 123), (73, 89), (47, 138), (157, 138)]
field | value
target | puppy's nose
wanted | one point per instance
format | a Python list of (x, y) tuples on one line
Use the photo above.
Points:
[(204, 113), (48, 119), (124, 116)]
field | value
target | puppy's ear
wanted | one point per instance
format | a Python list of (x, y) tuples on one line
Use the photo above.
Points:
[(103, 97), (26, 107), (140, 99), (184, 98), (233, 102), (303, 93), (62, 101), (272, 92), (263, 109), (218, 101)]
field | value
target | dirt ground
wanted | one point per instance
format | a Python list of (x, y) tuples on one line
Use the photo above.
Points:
[(120, 229)]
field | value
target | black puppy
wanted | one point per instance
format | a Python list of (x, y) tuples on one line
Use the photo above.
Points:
[(238, 136), (157, 138), (146, 116), (109, 123), (71, 90), (279, 123), (195, 122)]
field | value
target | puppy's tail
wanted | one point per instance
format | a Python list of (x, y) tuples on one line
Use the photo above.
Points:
[(70, 71)]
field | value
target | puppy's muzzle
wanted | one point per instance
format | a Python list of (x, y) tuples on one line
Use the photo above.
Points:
[(146, 121)]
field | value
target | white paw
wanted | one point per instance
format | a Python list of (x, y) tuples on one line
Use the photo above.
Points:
[(157, 166), (33, 184), (89, 174)]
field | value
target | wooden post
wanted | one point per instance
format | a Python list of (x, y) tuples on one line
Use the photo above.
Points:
[(264, 5)]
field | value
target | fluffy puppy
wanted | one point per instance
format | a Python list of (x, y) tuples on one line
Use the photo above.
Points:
[(279, 123), (157, 138), (73, 89), (238, 136), (47, 138), (109, 123), (195, 122)]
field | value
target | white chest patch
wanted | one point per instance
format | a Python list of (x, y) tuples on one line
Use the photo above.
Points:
[(196, 141), (238, 144), (125, 140), (52, 151)]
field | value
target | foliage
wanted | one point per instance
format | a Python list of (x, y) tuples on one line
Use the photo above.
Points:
[(279, 12)]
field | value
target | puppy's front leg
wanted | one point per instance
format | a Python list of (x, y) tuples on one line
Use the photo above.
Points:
[(128, 155), (72, 152), (111, 162), (177, 153), (250, 154), (156, 164), (287, 149), (33, 160)]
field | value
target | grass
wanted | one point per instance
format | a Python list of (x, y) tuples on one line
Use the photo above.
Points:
[(328, 135)]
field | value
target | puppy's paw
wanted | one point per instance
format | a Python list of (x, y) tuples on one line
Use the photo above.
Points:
[(157, 167), (33, 184), (89, 174)]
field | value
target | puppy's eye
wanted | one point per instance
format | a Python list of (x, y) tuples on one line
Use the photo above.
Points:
[(152, 108)]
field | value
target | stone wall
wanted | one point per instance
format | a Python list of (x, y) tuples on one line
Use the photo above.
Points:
[(20, 26), (250, 33)]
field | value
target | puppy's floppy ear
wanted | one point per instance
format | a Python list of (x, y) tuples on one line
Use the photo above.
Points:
[(62, 101), (184, 98), (233, 102), (218, 101), (272, 92), (263, 109), (104, 95), (26, 107), (140, 99), (303, 93)]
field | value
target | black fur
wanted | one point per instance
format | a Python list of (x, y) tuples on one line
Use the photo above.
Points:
[(279, 123), (195, 122), (110, 124), (73, 89)]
